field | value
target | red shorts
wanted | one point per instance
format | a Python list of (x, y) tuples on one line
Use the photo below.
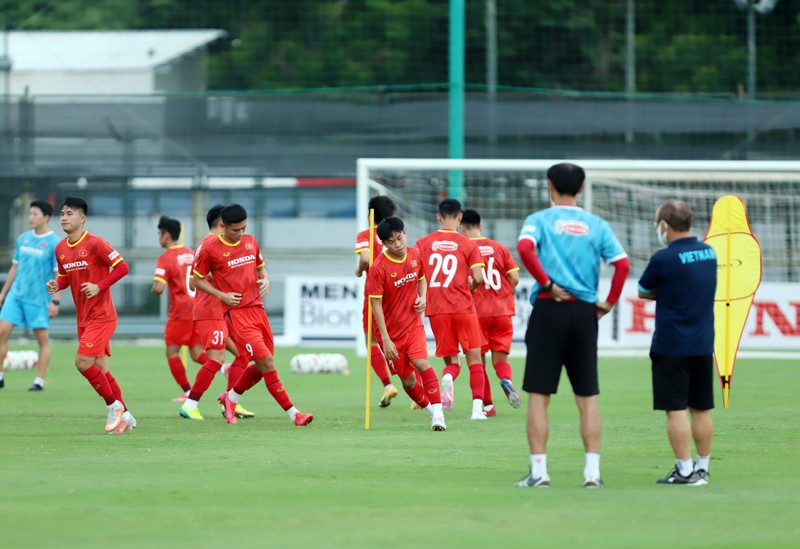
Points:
[(211, 333), (457, 329), (93, 339), (411, 345), (498, 331), (250, 330), (181, 332)]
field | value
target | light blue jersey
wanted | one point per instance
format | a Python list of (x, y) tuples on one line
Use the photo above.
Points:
[(35, 257), (570, 243)]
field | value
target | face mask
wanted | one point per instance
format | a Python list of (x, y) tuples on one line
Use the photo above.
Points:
[(661, 236)]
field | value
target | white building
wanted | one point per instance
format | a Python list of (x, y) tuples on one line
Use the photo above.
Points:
[(106, 62)]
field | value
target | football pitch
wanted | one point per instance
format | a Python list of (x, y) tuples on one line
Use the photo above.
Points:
[(266, 483)]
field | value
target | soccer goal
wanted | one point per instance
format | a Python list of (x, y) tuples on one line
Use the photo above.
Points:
[(624, 192)]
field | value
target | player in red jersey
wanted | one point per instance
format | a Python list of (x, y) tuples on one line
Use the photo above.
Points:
[(235, 261), (495, 305), (173, 271), (450, 259), (396, 288), (84, 261), (210, 325)]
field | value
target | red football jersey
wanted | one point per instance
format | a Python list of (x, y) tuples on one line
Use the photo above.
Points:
[(88, 260), (174, 268), (496, 296), (396, 282), (362, 243), (234, 267), (448, 258), (206, 306)]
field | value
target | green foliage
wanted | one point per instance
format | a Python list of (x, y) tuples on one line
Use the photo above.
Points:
[(682, 46)]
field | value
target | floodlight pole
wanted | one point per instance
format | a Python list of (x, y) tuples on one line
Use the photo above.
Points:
[(751, 50), (456, 94)]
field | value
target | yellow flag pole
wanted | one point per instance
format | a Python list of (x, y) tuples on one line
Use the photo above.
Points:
[(369, 317), (726, 379), (184, 349)]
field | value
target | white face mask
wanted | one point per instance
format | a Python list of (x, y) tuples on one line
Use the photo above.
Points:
[(661, 233)]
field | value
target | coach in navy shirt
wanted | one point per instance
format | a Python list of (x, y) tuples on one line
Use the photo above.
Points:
[(682, 279)]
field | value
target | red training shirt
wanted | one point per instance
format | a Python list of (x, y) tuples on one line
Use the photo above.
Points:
[(496, 296), (234, 267), (88, 260), (395, 281), (174, 268), (206, 306), (448, 258)]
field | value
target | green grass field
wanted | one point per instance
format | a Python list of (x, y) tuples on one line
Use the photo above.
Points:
[(265, 483)]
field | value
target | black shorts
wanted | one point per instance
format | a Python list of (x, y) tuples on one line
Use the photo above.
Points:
[(561, 334), (681, 382)]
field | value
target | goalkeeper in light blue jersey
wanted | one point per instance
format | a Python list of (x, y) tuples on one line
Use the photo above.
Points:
[(24, 297)]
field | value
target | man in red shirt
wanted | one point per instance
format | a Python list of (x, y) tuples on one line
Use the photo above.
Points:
[(209, 323), (495, 305), (396, 288), (84, 261), (235, 261), (383, 207), (449, 260), (173, 271)]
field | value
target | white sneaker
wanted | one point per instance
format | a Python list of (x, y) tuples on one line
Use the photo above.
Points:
[(115, 411), (225, 369), (478, 415), (127, 423), (447, 394), (437, 422)]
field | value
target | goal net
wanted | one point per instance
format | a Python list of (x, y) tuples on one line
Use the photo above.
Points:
[(626, 193)]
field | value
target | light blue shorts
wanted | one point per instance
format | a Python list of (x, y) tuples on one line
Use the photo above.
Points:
[(24, 314)]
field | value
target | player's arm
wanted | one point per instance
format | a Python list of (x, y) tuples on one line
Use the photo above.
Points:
[(263, 281), (527, 253), (12, 274), (389, 348), (477, 276), (55, 303), (513, 277), (363, 262), (118, 270), (231, 299), (647, 294), (622, 266), (158, 287), (422, 292)]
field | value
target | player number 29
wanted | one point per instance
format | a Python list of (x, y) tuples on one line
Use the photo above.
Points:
[(491, 276), (445, 265)]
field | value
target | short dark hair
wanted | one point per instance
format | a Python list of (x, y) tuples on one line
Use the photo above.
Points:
[(677, 214), (44, 206), (234, 213), (171, 226), (384, 207), (390, 225), (75, 203), (449, 207), (566, 178), (212, 217), (471, 218)]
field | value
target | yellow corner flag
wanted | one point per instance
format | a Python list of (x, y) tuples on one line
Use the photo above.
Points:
[(738, 277)]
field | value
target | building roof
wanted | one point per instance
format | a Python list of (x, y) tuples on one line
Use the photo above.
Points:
[(103, 50)]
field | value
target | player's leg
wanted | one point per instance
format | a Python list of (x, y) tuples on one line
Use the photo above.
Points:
[(477, 375), (537, 430), (96, 376), (381, 369), (488, 403), (5, 332), (235, 369), (126, 420), (447, 349), (178, 370), (701, 402), (45, 352), (702, 433), (213, 334)]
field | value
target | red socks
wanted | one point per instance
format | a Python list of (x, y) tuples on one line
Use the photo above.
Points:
[(430, 383), (249, 377), (379, 365), (99, 382), (202, 359), (178, 371), (476, 374), (487, 389), (417, 394), (115, 390), (452, 369), (237, 368), (503, 369), (276, 389), (205, 375)]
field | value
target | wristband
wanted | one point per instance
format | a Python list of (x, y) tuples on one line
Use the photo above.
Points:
[(548, 287), (56, 302)]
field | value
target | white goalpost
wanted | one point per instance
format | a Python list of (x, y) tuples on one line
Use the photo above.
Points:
[(624, 192)]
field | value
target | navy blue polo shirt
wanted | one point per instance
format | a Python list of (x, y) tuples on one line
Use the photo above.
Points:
[(684, 277)]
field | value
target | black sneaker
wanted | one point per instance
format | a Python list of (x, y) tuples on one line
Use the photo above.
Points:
[(36, 387), (675, 477), (593, 483), (703, 474), (529, 482), (2, 383)]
